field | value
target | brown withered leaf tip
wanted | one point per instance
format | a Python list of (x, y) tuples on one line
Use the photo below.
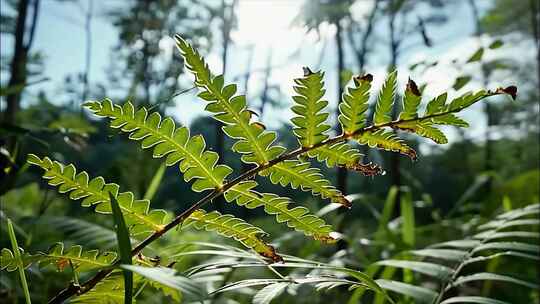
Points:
[(259, 125), (413, 88), (511, 90), (307, 71), (344, 202), (252, 113), (369, 169), (411, 154), (359, 79), (324, 238), (272, 255)]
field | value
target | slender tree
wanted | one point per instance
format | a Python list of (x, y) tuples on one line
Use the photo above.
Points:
[(21, 48)]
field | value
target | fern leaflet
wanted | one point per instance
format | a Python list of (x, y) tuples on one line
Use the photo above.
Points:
[(354, 105), (95, 192), (168, 141), (232, 227), (297, 218), (385, 140), (310, 126), (385, 102), (81, 261), (297, 173)]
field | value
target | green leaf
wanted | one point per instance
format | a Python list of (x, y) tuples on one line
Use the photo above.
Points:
[(461, 81), (386, 215), (310, 123), (232, 227), (466, 100), (420, 294), (411, 101), (518, 246), (450, 120), (298, 218), (338, 154), (155, 182), (9, 262), (477, 56), (18, 260), (496, 44), (436, 105), (469, 299), (354, 105), (515, 214), (270, 292), (169, 277), (434, 270), (444, 254), (81, 260), (407, 216), (299, 174), (503, 224), (461, 244), (253, 141), (385, 140), (486, 276), (491, 235), (168, 141), (500, 254), (124, 247), (94, 192), (385, 102), (109, 291)]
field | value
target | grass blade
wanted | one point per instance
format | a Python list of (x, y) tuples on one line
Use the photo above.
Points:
[(155, 182), (124, 247), (17, 254), (407, 215)]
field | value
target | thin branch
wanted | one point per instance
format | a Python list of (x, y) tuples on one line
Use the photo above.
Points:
[(35, 15), (88, 285)]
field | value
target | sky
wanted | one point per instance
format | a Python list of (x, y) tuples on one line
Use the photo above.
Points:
[(264, 26)]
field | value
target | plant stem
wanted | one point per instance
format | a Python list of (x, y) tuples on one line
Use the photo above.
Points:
[(88, 285), (18, 258)]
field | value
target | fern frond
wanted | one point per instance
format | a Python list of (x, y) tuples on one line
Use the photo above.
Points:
[(466, 252), (95, 192), (354, 105), (82, 261), (253, 141), (232, 227), (385, 102), (297, 173), (298, 218), (310, 122), (385, 140), (167, 141)]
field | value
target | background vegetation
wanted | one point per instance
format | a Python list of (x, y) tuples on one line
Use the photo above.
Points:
[(491, 168)]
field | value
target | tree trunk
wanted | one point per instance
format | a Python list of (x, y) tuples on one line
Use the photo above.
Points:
[(266, 87), (535, 15), (395, 171), (18, 63), (88, 55), (488, 148), (341, 172)]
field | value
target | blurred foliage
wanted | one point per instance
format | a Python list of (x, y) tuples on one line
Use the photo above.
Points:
[(445, 187)]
